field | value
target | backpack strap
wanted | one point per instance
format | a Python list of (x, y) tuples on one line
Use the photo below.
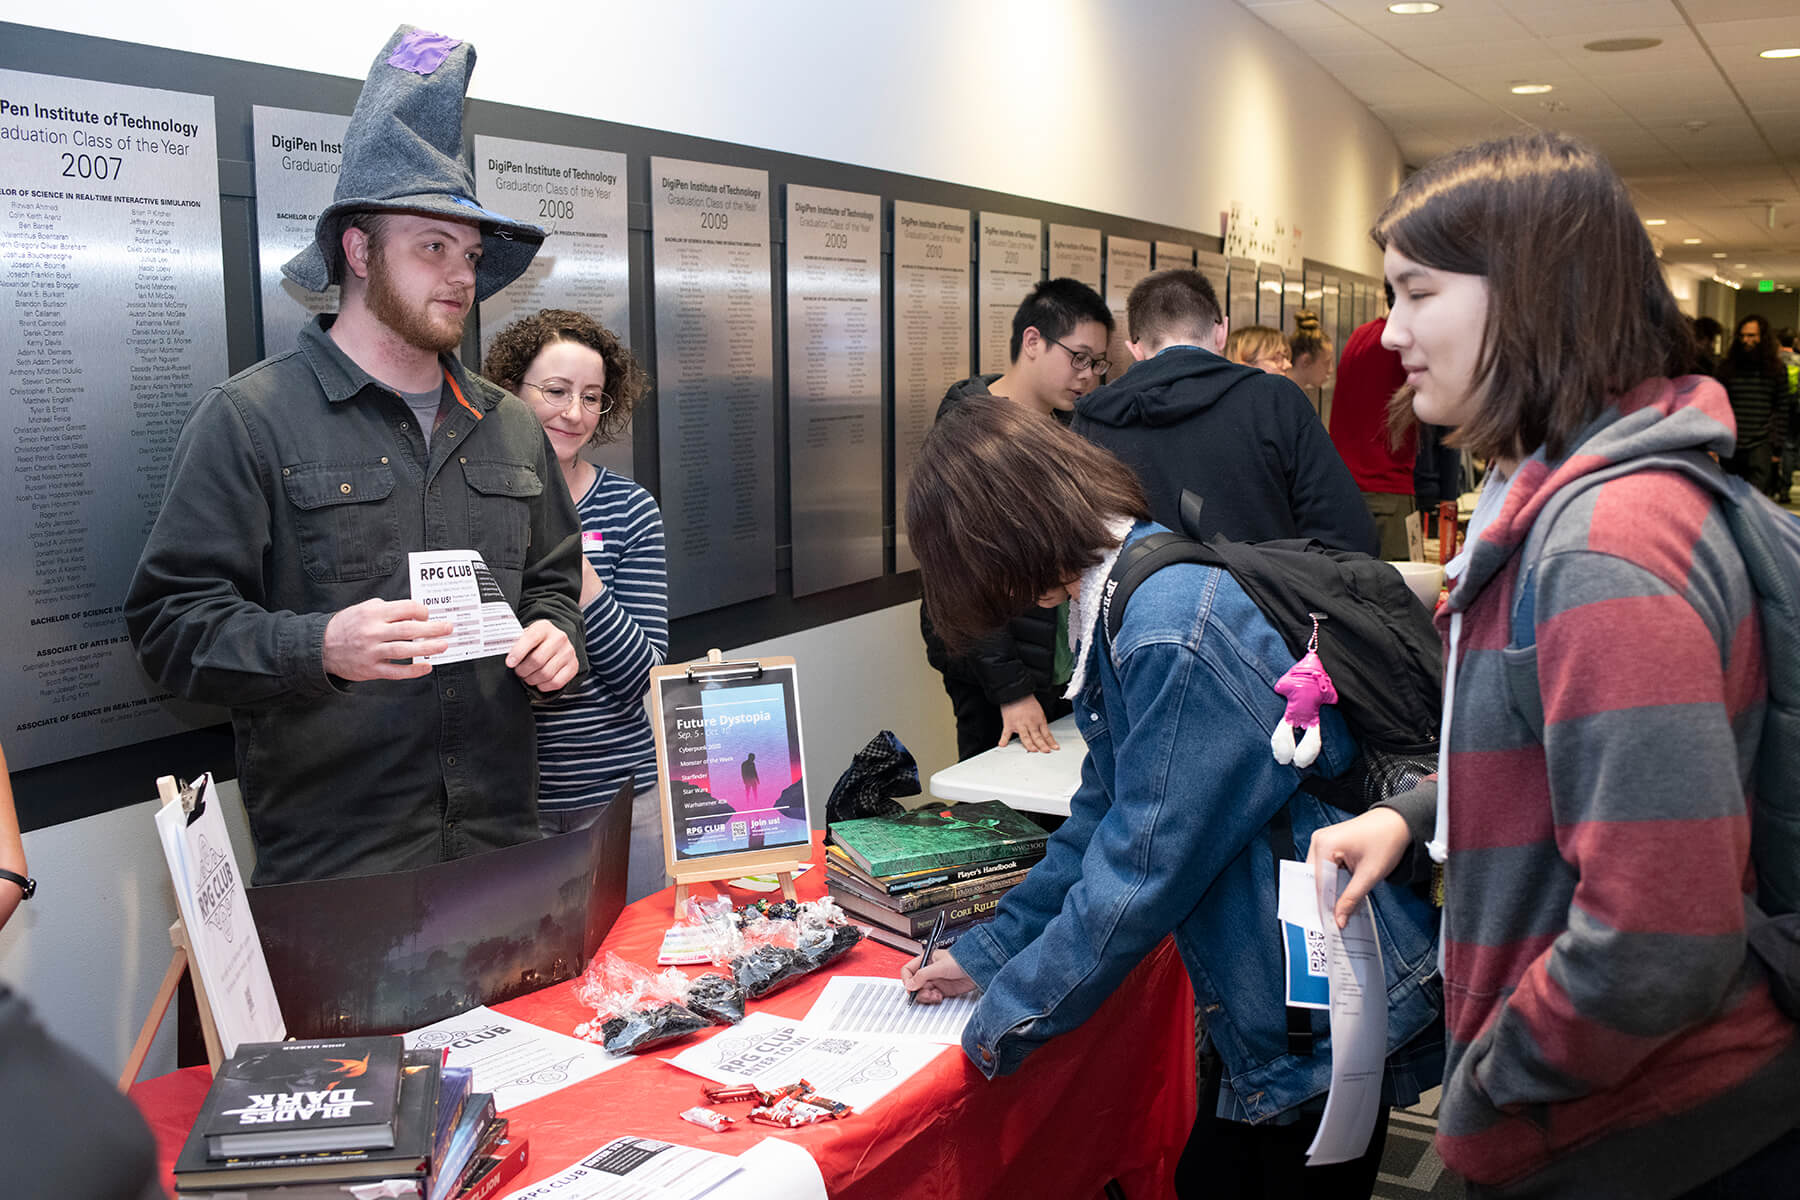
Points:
[(1140, 560)]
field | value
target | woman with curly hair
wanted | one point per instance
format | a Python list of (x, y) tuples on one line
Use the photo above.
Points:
[(582, 383)]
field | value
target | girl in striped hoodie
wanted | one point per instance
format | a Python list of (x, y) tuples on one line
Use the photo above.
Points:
[(1609, 1032)]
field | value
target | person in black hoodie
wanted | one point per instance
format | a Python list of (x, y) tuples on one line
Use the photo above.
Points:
[(1012, 683), (1247, 442)]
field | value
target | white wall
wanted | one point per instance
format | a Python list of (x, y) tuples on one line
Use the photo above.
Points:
[(1164, 110), (89, 951)]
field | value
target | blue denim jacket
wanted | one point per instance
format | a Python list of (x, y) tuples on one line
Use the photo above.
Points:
[(1168, 834)]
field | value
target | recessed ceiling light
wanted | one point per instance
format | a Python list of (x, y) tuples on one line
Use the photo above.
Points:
[(1414, 8), (1620, 45), (1781, 52), (1690, 241), (1739, 266), (1656, 221), (1758, 274), (1718, 254), (1531, 89)]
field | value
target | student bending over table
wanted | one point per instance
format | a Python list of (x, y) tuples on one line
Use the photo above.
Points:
[(1169, 831)]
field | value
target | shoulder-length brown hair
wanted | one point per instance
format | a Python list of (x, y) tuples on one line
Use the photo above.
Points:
[(516, 346), (1005, 505), (1578, 311)]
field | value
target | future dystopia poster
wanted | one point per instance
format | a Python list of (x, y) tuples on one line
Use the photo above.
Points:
[(734, 764)]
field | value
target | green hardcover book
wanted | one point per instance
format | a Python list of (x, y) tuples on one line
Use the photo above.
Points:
[(912, 881), (938, 836), (856, 885)]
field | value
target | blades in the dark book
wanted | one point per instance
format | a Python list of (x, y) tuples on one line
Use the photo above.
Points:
[(283, 1097), (409, 1157), (938, 836)]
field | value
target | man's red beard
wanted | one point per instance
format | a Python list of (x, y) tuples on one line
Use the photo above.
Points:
[(422, 326)]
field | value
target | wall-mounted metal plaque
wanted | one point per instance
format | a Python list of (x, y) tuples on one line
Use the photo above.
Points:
[(931, 334), (1075, 254), (297, 155), (1173, 254), (1127, 261), (1293, 299), (112, 322), (1012, 262), (1268, 295), (1217, 270), (1241, 307), (834, 386), (1330, 312), (579, 196), (715, 406)]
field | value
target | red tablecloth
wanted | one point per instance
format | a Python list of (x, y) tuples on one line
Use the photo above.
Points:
[(1114, 1099)]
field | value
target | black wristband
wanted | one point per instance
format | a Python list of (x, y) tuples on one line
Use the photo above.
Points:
[(28, 886)]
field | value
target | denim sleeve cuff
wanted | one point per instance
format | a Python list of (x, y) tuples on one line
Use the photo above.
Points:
[(979, 955)]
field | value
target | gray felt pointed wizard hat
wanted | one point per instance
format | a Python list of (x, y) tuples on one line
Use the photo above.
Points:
[(404, 152)]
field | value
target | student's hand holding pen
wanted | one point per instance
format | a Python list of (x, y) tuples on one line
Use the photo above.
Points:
[(938, 979)]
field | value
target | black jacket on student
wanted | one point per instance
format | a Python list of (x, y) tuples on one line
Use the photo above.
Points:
[(1246, 441), (1017, 662)]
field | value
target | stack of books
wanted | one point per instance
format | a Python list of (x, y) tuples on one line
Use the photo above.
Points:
[(344, 1117), (898, 873)]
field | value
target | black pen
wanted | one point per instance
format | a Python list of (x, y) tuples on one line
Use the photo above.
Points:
[(937, 931)]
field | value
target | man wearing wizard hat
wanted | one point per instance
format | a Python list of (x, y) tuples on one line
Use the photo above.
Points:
[(275, 580)]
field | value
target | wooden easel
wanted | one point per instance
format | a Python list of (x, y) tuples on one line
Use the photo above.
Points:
[(179, 960), (781, 862)]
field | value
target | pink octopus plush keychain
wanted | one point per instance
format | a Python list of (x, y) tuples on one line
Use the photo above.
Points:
[(1308, 688)]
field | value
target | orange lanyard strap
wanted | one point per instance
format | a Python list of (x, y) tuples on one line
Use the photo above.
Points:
[(457, 392)]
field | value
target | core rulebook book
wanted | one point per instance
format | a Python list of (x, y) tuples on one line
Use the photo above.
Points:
[(289, 1097), (938, 836)]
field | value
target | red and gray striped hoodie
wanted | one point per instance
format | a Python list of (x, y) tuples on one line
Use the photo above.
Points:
[(1608, 1033)]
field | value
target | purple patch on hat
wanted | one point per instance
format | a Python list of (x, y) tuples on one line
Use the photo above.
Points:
[(422, 52)]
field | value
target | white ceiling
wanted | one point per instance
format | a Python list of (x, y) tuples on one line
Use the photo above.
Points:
[(1443, 80)]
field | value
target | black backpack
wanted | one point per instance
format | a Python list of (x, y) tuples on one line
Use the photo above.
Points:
[(1377, 641), (1385, 657)]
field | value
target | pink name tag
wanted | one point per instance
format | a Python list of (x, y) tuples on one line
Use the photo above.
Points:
[(592, 539)]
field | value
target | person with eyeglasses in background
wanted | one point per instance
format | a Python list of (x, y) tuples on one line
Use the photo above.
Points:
[(1260, 346), (583, 383), (1010, 683), (1246, 441)]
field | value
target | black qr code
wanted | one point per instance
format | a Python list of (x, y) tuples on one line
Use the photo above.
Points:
[(835, 1046), (1315, 952)]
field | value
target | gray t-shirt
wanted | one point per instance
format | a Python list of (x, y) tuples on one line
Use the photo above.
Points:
[(425, 407)]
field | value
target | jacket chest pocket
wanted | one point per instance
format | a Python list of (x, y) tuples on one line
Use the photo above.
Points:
[(500, 499), (346, 528)]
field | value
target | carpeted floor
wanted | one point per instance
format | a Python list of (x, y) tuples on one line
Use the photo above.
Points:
[(1410, 1167)]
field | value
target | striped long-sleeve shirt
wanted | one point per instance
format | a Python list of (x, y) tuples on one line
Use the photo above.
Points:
[(1609, 1033), (595, 735)]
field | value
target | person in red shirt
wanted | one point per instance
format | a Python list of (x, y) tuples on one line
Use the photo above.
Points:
[(1368, 375)]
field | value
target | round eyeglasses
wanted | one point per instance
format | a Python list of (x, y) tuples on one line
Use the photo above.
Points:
[(555, 395)]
